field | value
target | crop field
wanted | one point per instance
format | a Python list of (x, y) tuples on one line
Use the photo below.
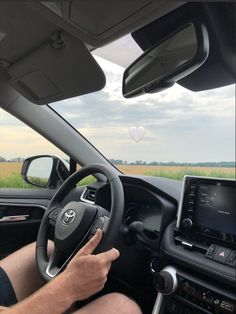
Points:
[(9, 168), (178, 172), (10, 173), (10, 176)]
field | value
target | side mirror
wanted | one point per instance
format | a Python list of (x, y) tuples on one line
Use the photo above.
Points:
[(171, 59), (45, 171)]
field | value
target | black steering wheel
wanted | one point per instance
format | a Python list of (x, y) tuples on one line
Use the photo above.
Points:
[(77, 222)]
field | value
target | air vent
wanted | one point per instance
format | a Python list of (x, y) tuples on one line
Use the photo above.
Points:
[(89, 195)]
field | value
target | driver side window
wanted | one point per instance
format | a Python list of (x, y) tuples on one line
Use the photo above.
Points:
[(18, 142)]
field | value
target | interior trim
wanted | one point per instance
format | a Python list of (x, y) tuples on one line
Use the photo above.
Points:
[(158, 303), (22, 204), (82, 198), (149, 13)]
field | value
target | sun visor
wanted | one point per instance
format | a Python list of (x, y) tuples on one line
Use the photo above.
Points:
[(59, 69)]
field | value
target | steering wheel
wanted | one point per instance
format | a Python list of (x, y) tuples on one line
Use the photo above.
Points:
[(75, 223)]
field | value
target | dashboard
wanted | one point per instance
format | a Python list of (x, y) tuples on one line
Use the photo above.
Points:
[(143, 204), (203, 242), (150, 214), (189, 232), (194, 259)]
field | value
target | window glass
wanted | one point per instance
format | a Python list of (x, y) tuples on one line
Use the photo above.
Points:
[(17, 142), (169, 134)]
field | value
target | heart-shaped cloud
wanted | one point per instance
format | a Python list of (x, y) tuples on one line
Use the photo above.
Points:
[(137, 133)]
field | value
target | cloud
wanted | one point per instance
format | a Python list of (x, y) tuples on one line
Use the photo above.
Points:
[(19, 140), (180, 125)]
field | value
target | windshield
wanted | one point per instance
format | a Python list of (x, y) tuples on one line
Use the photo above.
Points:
[(169, 134)]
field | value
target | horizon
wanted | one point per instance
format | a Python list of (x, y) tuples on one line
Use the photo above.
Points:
[(136, 162)]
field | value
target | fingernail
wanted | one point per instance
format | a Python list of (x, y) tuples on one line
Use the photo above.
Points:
[(117, 252)]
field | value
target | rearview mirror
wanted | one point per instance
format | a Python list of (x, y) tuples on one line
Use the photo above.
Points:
[(171, 59), (45, 171)]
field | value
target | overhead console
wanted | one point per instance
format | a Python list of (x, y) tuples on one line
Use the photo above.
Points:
[(205, 233), (89, 20)]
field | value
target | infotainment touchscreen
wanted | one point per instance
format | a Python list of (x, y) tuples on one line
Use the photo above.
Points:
[(208, 207)]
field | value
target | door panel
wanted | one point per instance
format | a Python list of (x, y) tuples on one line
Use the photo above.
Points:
[(21, 211)]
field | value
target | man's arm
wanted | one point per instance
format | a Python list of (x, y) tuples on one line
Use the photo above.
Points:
[(2, 308), (85, 275), (54, 297)]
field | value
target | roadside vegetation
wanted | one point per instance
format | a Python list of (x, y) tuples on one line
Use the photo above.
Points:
[(10, 177), (14, 181), (10, 173), (178, 172)]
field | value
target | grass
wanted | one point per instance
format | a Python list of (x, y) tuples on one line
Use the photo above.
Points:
[(10, 173), (14, 181), (179, 175), (10, 177), (87, 180)]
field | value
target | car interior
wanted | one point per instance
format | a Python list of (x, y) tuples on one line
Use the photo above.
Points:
[(177, 239)]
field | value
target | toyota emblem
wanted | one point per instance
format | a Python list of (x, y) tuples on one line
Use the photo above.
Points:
[(68, 217)]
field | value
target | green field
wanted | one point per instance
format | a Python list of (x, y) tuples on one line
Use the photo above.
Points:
[(10, 177), (179, 174), (10, 173), (16, 181)]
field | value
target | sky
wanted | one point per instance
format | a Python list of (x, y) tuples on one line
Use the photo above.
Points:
[(178, 125)]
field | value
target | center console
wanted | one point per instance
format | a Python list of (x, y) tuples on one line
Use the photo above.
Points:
[(208, 209), (202, 246), (207, 218), (191, 295)]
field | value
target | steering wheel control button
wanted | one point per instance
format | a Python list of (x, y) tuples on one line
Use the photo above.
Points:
[(211, 251), (98, 224), (54, 214), (232, 259), (222, 255)]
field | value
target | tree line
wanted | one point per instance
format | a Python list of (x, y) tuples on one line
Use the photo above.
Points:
[(226, 164), (16, 159)]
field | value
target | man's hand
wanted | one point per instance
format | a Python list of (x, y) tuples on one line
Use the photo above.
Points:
[(85, 275), (88, 273)]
